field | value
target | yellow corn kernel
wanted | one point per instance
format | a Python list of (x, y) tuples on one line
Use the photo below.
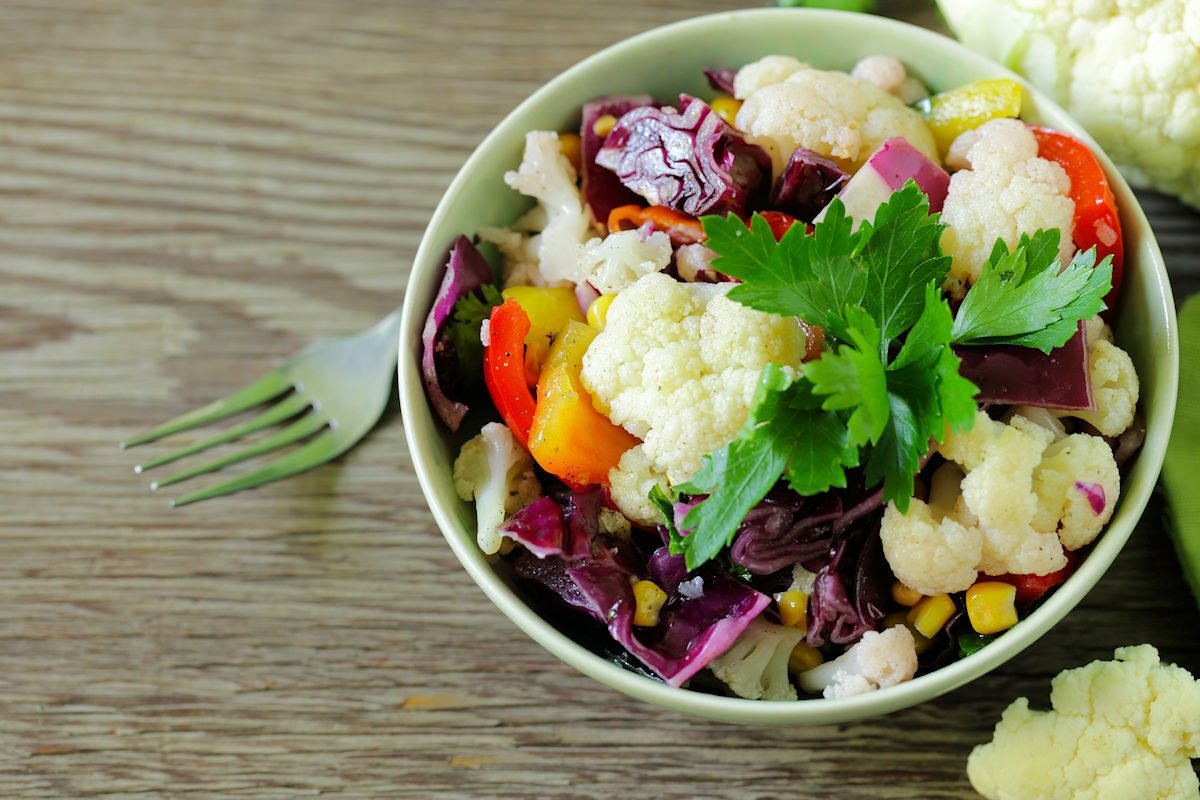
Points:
[(921, 642), (930, 614), (603, 125), (793, 608), (904, 595), (598, 311), (992, 606), (726, 107), (571, 146), (649, 598), (804, 657)]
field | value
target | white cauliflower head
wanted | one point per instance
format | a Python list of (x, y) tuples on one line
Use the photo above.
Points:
[(889, 74), (630, 483), (1008, 191), (1077, 485), (767, 71), (930, 551), (619, 259), (497, 473), (876, 661), (756, 665), (1115, 389), (1128, 71), (677, 365), (830, 113), (1118, 730), (546, 175)]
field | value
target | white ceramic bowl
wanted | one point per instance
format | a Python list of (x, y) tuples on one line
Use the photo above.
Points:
[(663, 63)]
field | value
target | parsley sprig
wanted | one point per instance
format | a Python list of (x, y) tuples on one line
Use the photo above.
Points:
[(888, 383)]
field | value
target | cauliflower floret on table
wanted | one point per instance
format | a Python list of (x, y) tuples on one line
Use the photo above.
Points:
[(876, 661), (756, 665), (1007, 191), (1118, 730), (830, 113), (495, 471), (619, 259), (546, 175), (677, 365)]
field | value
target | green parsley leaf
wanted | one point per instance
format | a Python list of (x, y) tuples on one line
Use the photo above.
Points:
[(463, 332), (787, 434), (666, 507), (852, 377), (882, 267), (1022, 298)]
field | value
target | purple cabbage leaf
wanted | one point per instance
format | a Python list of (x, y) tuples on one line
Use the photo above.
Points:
[(602, 190), (721, 79), (452, 355), (704, 613), (807, 184), (688, 160), (1015, 375)]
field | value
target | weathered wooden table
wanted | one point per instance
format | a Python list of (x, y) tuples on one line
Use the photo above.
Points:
[(190, 191)]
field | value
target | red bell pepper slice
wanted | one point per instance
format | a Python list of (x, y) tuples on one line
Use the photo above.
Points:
[(1096, 220), (504, 368), (682, 228), (1033, 587), (779, 222)]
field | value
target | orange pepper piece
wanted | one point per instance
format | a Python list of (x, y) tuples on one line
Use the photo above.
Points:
[(569, 438)]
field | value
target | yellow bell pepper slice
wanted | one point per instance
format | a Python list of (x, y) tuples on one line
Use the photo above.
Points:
[(569, 438), (956, 111), (548, 309)]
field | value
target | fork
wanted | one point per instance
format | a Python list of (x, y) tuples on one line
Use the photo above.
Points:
[(333, 391)]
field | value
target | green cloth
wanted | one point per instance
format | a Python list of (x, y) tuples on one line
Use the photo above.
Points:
[(1181, 469)]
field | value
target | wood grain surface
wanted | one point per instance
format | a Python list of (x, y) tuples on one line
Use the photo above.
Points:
[(190, 191)]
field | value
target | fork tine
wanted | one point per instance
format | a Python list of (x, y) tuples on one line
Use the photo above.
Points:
[(301, 428), (286, 408), (265, 388), (321, 449)]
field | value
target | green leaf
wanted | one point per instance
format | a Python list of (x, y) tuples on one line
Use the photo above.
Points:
[(773, 273), (902, 250), (852, 377), (786, 435), (1022, 298), (666, 507), (463, 332)]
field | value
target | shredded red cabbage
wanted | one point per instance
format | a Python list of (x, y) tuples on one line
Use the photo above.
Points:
[(689, 160), (693, 627), (807, 184), (721, 79), (466, 271), (603, 191), (1015, 375), (842, 615)]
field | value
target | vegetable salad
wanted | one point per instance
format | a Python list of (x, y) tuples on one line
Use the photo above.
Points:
[(799, 390)]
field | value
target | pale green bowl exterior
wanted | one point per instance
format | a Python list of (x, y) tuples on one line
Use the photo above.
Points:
[(664, 62)]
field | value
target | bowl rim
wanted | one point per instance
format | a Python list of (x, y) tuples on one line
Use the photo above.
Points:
[(735, 709)]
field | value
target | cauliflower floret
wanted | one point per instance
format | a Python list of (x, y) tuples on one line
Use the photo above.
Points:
[(618, 260), (1006, 192), (832, 114), (497, 473), (889, 74), (520, 254), (877, 661), (1039, 415), (1077, 486), (546, 175), (767, 71), (677, 365), (1118, 730), (929, 551), (997, 494), (630, 483), (756, 665), (1115, 389)]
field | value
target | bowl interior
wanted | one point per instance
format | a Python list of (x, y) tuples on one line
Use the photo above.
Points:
[(665, 62)]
